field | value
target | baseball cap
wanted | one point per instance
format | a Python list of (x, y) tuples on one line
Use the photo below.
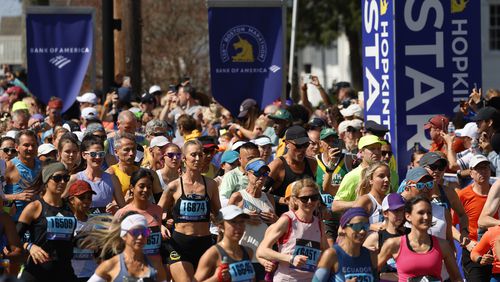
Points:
[(256, 165), (431, 158), (45, 149), (90, 113), (50, 169), (71, 126), (14, 89), (19, 105), (392, 202), (208, 141), (281, 114), (368, 140), (154, 89), (245, 107), (229, 157), (47, 133), (297, 134), (327, 132), (231, 211), (158, 141), (438, 121), (317, 122), (131, 222), (485, 113), (415, 174), (354, 110), (262, 140), (375, 128), (147, 98), (79, 187), (469, 130), (355, 123), (88, 97), (477, 159), (236, 145)]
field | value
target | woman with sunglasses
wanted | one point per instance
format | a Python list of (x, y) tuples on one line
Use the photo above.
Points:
[(51, 225), (106, 186), (7, 148), (375, 184), (299, 235), (260, 208), (68, 152), (348, 260), (190, 200), (228, 260), (126, 239), (172, 165), (418, 254)]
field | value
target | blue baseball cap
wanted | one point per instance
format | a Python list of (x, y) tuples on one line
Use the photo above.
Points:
[(47, 133), (229, 157), (415, 174), (256, 165)]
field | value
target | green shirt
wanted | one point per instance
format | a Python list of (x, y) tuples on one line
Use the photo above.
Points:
[(233, 181), (338, 172), (347, 189)]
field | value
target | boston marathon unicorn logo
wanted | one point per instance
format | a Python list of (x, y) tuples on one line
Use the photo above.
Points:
[(246, 53), (458, 6)]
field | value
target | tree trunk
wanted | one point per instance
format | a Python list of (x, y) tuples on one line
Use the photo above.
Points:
[(354, 39)]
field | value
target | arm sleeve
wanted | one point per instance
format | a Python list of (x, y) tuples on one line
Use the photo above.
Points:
[(321, 275), (21, 228), (482, 246), (96, 278)]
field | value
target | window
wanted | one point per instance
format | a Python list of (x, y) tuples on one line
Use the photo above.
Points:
[(495, 27)]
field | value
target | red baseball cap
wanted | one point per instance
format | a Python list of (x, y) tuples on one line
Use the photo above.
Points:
[(79, 187), (438, 121)]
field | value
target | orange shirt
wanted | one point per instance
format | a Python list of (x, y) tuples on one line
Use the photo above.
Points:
[(488, 243), (473, 205)]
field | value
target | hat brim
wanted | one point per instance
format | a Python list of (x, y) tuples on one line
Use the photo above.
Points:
[(395, 207), (427, 125), (229, 161), (301, 140), (233, 216), (477, 118), (276, 117), (243, 114), (81, 193)]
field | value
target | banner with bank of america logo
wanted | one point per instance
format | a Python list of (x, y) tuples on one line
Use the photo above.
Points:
[(59, 47), (246, 53)]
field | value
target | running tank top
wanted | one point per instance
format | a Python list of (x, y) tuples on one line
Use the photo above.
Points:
[(83, 261), (376, 214), (28, 177), (429, 263), (254, 233), (124, 276), (122, 177), (160, 177), (193, 207), (359, 267), (104, 191), (240, 270), (301, 238), (383, 236)]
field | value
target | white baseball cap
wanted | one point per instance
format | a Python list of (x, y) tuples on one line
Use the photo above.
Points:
[(236, 145), (88, 97), (90, 113), (469, 130), (353, 110), (158, 141), (45, 149), (262, 141), (355, 123), (477, 159), (231, 211), (154, 88)]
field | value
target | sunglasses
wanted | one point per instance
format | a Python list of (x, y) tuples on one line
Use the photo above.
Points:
[(157, 134), (60, 177), (261, 173), (98, 154), (301, 146), (144, 232), (437, 166), (174, 155), (209, 151), (313, 198), (86, 196), (357, 227), (423, 185), (387, 153), (9, 150)]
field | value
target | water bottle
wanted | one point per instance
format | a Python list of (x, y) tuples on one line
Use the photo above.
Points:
[(475, 147), (451, 128), (224, 265)]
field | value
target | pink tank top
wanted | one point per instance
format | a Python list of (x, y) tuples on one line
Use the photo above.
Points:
[(411, 264), (302, 238)]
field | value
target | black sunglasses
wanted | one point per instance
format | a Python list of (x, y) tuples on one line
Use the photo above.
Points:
[(260, 173), (301, 146), (437, 166), (387, 153), (9, 150), (176, 155), (60, 177), (305, 199), (157, 134)]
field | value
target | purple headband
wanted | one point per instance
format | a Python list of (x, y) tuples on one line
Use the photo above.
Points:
[(350, 213)]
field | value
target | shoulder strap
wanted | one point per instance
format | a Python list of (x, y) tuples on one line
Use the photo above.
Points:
[(245, 253), (283, 239), (182, 186), (205, 184), (221, 251)]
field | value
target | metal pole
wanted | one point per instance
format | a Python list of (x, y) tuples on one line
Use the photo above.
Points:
[(292, 41), (108, 58)]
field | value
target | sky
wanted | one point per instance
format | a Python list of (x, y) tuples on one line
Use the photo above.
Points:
[(11, 8)]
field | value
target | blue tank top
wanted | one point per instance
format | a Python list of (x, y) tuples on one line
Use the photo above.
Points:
[(28, 178), (350, 267), (123, 275), (104, 191)]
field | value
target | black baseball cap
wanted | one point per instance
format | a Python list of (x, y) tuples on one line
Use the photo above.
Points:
[(375, 128), (297, 134), (486, 113)]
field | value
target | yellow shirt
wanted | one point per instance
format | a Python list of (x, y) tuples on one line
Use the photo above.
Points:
[(280, 151), (122, 177)]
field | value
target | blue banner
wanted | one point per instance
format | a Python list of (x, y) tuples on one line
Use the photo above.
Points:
[(438, 61), (59, 48), (378, 64), (246, 55)]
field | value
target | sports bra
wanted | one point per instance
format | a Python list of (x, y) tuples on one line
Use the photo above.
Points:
[(193, 207), (240, 270)]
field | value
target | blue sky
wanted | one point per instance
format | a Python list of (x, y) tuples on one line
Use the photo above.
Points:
[(11, 8)]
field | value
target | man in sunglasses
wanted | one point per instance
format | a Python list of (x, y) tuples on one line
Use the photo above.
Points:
[(154, 128), (210, 149), (292, 166), (282, 120), (473, 198)]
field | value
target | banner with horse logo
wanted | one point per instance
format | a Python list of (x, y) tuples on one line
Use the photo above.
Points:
[(246, 54), (59, 48)]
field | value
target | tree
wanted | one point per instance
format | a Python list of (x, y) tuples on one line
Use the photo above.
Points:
[(320, 22)]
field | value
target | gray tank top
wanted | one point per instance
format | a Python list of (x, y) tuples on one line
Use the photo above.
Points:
[(103, 188), (124, 276)]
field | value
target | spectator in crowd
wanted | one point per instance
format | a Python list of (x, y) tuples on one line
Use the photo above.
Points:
[(437, 125), (282, 120)]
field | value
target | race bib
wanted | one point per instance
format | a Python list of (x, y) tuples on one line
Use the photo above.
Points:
[(154, 242), (60, 227), (242, 271), (308, 248), (328, 200), (360, 277), (193, 210), (82, 254)]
